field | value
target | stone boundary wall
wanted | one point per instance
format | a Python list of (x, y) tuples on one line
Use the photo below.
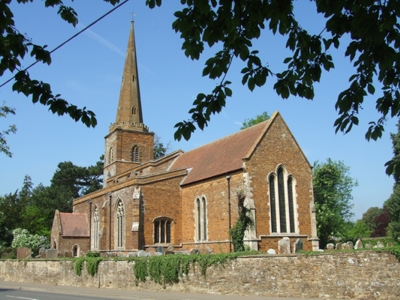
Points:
[(359, 275)]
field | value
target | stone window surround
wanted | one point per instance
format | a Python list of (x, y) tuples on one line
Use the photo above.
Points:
[(135, 153), (167, 234), (201, 220), (119, 225), (286, 176)]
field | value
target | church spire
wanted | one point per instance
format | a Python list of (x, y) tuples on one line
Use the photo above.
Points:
[(129, 113)]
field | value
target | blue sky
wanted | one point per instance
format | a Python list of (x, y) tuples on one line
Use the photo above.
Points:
[(87, 72)]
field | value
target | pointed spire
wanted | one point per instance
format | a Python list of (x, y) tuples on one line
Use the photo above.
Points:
[(129, 113)]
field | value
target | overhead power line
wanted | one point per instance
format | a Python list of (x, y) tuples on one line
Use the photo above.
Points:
[(70, 39)]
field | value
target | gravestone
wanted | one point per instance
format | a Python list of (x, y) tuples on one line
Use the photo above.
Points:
[(345, 246), (271, 251), (159, 253), (338, 246), (160, 249), (170, 248), (367, 245), (42, 253), (350, 245), (151, 251), (51, 253), (358, 245), (142, 253), (132, 254), (330, 246), (194, 251), (379, 244), (284, 246), (23, 252), (209, 250), (298, 245)]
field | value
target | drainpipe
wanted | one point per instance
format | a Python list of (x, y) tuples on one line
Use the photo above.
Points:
[(228, 178)]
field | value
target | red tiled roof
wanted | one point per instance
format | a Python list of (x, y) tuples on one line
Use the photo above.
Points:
[(220, 157), (74, 225)]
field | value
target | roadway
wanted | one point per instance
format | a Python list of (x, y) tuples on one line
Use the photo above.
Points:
[(33, 291)]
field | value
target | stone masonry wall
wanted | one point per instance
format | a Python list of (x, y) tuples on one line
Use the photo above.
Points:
[(360, 275)]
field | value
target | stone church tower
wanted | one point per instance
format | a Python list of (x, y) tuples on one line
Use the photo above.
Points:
[(129, 141)]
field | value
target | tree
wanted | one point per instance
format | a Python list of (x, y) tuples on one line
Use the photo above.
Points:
[(15, 46), (332, 196), (159, 149), (253, 121), (382, 221), (393, 203), (369, 216), (4, 111), (373, 48)]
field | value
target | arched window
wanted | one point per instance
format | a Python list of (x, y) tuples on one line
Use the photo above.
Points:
[(282, 201), (201, 219), (96, 226), (272, 202), (162, 230), (75, 251), (120, 214), (291, 204), (135, 154), (133, 110), (110, 155)]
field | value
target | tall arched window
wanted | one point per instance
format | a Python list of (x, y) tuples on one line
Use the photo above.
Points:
[(291, 204), (120, 213), (282, 202), (96, 226), (133, 110), (272, 202), (162, 230), (201, 219), (135, 154)]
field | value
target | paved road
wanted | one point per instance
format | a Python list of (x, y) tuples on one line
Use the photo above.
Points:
[(31, 291)]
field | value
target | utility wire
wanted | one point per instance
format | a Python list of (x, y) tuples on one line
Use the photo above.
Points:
[(71, 38)]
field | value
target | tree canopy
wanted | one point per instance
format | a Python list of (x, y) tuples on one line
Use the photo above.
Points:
[(373, 50), (253, 121), (332, 196), (4, 111)]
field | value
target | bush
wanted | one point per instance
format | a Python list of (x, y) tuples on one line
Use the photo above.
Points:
[(93, 254)]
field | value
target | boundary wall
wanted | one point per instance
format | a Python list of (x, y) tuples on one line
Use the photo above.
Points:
[(356, 275)]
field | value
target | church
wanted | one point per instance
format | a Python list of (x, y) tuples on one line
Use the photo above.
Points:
[(189, 200)]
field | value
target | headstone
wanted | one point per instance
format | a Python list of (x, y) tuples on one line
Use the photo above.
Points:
[(330, 247), (209, 250), (350, 245), (271, 251), (380, 244), (345, 246), (170, 248), (284, 246), (159, 253), (298, 245), (358, 245), (160, 249), (169, 252), (42, 253), (51, 253), (194, 251), (338, 246), (142, 253), (367, 245), (23, 253), (132, 254)]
